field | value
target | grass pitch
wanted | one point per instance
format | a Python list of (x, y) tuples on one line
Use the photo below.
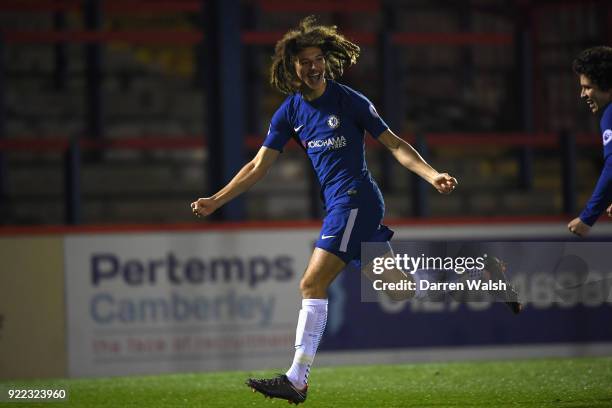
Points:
[(583, 382)]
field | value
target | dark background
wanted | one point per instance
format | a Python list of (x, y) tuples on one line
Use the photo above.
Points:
[(125, 112)]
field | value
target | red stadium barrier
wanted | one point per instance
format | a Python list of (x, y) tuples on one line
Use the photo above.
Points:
[(250, 225), (512, 139), (190, 37), (59, 143), (143, 7), (164, 6), (152, 37), (544, 6), (261, 37), (366, 6), (108, 7), (452, 39), (270, 6)]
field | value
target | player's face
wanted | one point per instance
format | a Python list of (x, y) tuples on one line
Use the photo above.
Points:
[(310, 69), (593, 95)]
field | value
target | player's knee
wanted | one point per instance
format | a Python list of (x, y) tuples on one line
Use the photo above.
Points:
[(311, 289)]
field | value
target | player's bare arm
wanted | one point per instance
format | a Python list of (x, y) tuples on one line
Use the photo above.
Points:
[(593, 68), (576, 226), (248, 176), (408, 157)]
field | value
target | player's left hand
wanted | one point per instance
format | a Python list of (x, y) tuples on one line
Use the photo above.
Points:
[(609, 211), (576, 226), (444, 183)]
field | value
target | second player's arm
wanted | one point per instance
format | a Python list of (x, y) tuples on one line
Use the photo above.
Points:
[(248, 176), (597, 203), (405, 154)]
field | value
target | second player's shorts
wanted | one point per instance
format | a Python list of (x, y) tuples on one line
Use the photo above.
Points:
[(355, 221)]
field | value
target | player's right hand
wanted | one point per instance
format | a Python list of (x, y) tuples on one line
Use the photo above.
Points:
[(609, 211), (204, 206)]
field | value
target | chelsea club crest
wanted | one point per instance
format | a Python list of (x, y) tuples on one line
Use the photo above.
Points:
[(333, 121)]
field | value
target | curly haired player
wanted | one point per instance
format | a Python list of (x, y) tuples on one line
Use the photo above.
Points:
[(329, 120), (594, 69)]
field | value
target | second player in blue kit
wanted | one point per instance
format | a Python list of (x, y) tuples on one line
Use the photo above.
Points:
[(594, 69)]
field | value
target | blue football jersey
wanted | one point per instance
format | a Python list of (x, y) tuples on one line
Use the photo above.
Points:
[(602, 195), (606, 130), (331, 130)]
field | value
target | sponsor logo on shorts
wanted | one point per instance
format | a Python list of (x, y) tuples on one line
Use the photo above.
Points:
[(327, 236)]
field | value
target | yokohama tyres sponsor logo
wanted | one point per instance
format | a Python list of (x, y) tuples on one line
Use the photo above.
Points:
[(329, 143)]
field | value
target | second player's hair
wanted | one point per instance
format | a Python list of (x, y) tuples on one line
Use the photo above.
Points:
[(596, 64), (339, 53)]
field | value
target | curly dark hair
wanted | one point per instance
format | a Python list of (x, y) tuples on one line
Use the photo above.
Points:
[(596, 64), (338, 51)]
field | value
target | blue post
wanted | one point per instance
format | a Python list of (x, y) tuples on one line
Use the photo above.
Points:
[(209, 80), (72, 183), (3, 168), (254, 84), (60, 72), (420, 198), (93, 59), (568, 172), (524, 52), (391, 98), (225, 100)]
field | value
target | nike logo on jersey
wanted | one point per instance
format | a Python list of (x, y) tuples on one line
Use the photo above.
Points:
[(607, 136), (327, 236), (297, 129)]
